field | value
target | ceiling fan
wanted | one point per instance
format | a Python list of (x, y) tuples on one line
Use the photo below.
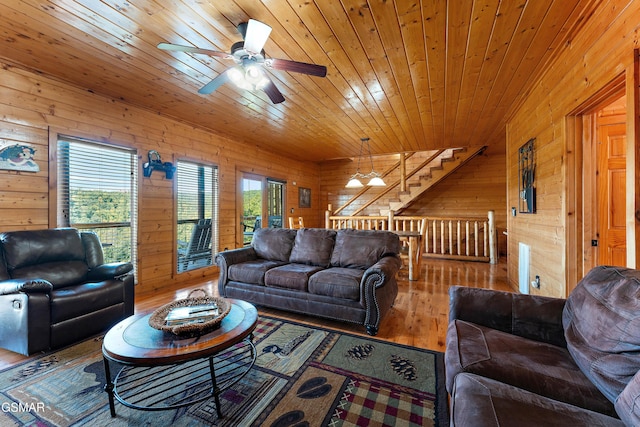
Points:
[(249, 56)]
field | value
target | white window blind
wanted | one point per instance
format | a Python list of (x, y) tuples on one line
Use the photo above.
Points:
[(197, 214), (97, 191)]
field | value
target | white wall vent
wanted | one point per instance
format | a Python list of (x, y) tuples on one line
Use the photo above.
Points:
[(524, 260)]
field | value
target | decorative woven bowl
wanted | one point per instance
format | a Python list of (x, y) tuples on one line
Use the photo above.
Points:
[(159, 316)]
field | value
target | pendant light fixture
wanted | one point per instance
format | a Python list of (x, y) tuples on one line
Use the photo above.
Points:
[(375, 180)]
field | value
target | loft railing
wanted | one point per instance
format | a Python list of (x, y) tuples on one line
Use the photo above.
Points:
[(464, 238)]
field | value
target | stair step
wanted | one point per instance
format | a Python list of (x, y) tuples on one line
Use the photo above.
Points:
[(435, 174)]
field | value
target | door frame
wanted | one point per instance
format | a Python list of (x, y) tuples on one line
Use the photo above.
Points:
[(265, 179), (580, 166)]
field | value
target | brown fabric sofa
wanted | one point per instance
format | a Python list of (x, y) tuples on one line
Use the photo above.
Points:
[(523, 360), (346, 275), (55, 289)]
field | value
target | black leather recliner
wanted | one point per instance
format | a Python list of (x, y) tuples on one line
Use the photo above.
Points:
[(55, 289)]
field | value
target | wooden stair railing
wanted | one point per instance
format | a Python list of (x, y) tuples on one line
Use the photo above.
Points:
[(463, 238)]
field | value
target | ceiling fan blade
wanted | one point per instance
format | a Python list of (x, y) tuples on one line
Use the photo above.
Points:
[(256, 36), (273, 92), (297, 67), (214, 84), (190, 49)]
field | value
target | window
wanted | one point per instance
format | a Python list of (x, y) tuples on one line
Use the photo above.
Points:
[(258, 199), (197, 214), (97, 192), (275, 202)]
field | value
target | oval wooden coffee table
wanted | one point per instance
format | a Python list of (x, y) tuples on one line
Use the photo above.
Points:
[(160, 371)]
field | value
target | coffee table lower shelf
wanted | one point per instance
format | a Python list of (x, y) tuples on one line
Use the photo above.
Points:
[(158, 388)]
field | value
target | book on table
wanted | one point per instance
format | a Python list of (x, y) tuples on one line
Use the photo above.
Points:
[(192, 314)]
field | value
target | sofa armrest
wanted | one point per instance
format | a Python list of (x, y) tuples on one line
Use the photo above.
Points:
[(378, 290), (235, 256), (385, 268), (627, 403), (226, 259), (530, 316), (14, 286), (111, 270)]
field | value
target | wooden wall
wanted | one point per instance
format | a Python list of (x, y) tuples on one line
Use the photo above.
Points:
[(593, 57), (476, 188), (472, 190), (33, 107)]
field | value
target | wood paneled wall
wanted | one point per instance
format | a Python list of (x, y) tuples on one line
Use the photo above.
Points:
[(33, 107), (476, 188), (473, 190), (601, 51)]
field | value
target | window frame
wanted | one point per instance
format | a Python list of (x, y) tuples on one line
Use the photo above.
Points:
[(54, 192), (215, 212)]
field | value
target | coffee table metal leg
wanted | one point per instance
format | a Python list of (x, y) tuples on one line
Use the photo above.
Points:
[(214, 385), (108, 387)]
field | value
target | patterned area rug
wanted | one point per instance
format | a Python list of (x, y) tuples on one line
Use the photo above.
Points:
[(303, 376)]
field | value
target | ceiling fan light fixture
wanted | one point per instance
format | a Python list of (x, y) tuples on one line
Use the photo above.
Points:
[(249, 56), (254, 76), (256, 37), (236, 75)]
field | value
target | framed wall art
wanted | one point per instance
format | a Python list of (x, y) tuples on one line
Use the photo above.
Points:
[(526, 173), (304, 197)]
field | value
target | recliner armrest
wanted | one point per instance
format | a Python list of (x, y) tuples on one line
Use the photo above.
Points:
[(530, 316), (14, 286), (111, 270)]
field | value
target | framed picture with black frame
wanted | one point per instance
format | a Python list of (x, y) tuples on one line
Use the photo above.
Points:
[(526, 171)]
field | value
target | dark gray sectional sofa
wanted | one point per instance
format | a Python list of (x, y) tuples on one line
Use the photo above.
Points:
[(524, 360), (347, 275)]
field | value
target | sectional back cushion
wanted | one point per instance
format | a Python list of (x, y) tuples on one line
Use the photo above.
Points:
[(274, 244), (602, 326), (313, 246), (363, 248), (56, 255)]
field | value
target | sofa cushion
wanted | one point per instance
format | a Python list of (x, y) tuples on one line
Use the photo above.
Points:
[(75, 301), (337, 282), (59, 274), (313, 246), (290, 276), (273, 243), (56, 255), (363, 248), (602, 327), (539, 367), (252, 271), (479, 402)]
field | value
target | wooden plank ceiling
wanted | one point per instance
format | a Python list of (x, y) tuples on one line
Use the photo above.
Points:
[(411, 75)]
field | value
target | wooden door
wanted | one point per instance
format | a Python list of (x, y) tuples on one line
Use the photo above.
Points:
[(612, 243)]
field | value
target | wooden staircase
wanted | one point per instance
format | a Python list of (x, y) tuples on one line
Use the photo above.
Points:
[(429, 175)]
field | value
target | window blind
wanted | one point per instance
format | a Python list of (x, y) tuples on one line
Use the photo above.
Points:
[(197, 200), (97, 191)]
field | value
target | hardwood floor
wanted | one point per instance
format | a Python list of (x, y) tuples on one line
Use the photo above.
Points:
[(419, 317)]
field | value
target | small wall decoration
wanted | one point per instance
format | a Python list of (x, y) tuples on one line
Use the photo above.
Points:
[(18, 157), (155, 164), (526, 170), (304, 197)]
